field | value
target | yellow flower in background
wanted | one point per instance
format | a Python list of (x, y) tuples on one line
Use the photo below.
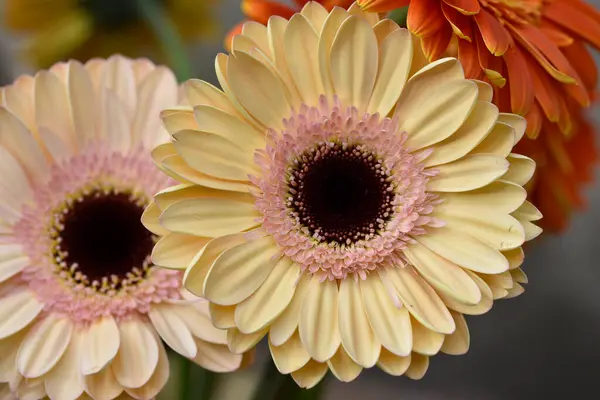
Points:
[(83, 29), (82, 309), (354, 204)]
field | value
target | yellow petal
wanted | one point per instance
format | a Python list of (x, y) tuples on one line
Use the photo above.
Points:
[(458, 342), (100, 344), (464, 250), (216, 357), (418, 366), (150, 219), (222, 317), (158, 380), (480, 308), (316, 14), (285, 325), (517, 122), (330, 28), (390, 324), (197, 319), (500, 141), (420, 299), (290, 356), (426, 341), (497, 197), (443, 275), (82, 100), (531, 230), (468, 173), (486, 91), (519, 276), (258, 33), (393, 364), (527, 212), (271, 298), (354, 62), (319, 329), (239, 271), (177, 250), (240, 343), (103, 385), (44, 346), (178, 119), (138, 354), (203, 93), (276, 28), (521, 169), (17, 310), (309, 375), (356, 334), (173, 330), (343, 367)]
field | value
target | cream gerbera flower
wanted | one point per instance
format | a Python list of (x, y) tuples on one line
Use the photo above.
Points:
[(355, 207), (82, 309)]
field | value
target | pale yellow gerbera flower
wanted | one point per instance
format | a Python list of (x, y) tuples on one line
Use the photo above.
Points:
[(355, 205), (82, 309)]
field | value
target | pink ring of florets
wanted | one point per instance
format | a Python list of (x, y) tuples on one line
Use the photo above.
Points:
[(330, 122), (99, 168)]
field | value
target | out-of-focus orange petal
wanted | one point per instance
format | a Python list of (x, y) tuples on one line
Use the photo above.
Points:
[(329, 4), (382, 5), (495, 36), (467, 7), (519, 80), (546, 91), (461, 24), (583, 62), (576, 20), (555, 34), (301, 3), (535, 120), (425, 17), (435, 45), (467, 54), (235, 31), (261, 10)]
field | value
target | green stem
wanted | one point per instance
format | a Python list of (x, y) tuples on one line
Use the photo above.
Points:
[(202, 383), (270, 383), (184, 378), (399, 16), (168, 37)]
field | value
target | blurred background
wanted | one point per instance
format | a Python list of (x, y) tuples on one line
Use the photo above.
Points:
[(545, 342)]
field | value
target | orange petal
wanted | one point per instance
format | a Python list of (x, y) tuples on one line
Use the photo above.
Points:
[(555, 34), (583, 62), (261, 10), (467, 7), (461, 24), (534, 121), (495, 36), (467, 54), (425, 17), (435, 45), (546, 90), (491, 65), (519, 80), (577, 20), (382, 5)]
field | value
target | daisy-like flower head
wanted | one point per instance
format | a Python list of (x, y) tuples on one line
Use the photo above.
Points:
[(533, 51), (82, 308), (355, 204)]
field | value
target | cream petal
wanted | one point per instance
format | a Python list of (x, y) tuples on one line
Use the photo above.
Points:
[(82, 100), (527, 212), (330, 28), (213, 155), (177, 250), (9, 347), (316, 14), (150, 220), (476, 128), (521, 169), (458, 342), (515, 291), (258, 33), (138, 354), (318, 325), (531, 231), (390, 324), (222, 317), (498, 284), (517, 122), (6, 394), (213, 120), (16, 138), (392, 364), (464, 250), (270, 299), (175, 166), (371, 17), (18, 99), (216, 357), (384, 28), (156, 92), (178, 119), (31, 391), (343, 367), (418, 366), (284, 326), (203, 93), (442, 70), (17, 310), (301, 44), (11, 264), (161, 152), (497, 197), (58, 150), (356, 334), (260, 92), (500, 141), (209, 217), (195, 275), (103, 385), (100, 344), (290, 356), (426, 341), (480, 308), (431, 111), (198, 321), (14, 185), (173, 194), (471, 172), (519, 276), (239, 271), (395, 58), (44, 346), (309, 375), (119, 77), (173, 330), (499, 231), (354, 61), (420, 299), (114, 126), (240, 343), (443, 275), (158, 380), (64, 382)]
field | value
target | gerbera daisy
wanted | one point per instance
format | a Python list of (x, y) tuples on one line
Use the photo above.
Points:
[(261, 10), (81, 306), (355, 208), (533, 51), (83, 29)]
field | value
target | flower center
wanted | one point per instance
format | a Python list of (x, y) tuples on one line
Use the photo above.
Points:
[(99, 240), (519, 11), (341, 193), (114, 14)]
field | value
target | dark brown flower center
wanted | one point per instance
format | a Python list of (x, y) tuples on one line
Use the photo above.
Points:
[(340, 193)]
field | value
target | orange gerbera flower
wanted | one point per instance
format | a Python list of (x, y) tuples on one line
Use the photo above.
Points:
[(533, 51), (261, 10)]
